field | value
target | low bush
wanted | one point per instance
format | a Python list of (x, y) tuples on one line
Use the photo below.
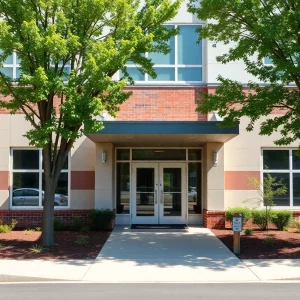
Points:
[(268, 241), (37, 249), (58, 224), (7, 228), (248, 231), (260, 218), (296, 223), (82, 240), (101, 218), (281, 218), (76, 223), (244, 211), (85, 229)]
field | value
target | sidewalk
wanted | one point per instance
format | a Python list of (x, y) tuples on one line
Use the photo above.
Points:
[(137, 256)]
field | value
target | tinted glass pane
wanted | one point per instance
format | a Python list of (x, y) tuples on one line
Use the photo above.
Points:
[(7, 71), (194, 154), (164, 74), (61, 192), (135, 74), (190, 74), (296, 189), (18, 72), (276, 159), (123, 188), (123, 154), (9, 60), (21, 197), (194, 188), (296, 161), (159, 154), (189, 51), (145, 191), (284, 178), (160, 58), (268, 61), (26, 159)]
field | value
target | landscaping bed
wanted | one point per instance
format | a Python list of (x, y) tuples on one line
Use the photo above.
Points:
[(17, 244), (272, 244)]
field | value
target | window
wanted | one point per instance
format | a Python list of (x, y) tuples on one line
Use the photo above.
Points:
[(178, 65), (28, 180), (11, 67), (284, 165)]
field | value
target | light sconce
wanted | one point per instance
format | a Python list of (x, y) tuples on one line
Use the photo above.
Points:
[(215, 158), (104, 157)]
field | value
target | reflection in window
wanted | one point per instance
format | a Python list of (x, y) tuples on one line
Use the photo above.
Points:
[(123, 188), (28, 183), (194, 188), (185, 66)]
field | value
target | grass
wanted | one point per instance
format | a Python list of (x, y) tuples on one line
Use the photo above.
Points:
[(4, 228), (37, 249), (1, 246)]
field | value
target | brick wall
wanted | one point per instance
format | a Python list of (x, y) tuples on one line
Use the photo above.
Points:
[(162, 104), (32, 218)]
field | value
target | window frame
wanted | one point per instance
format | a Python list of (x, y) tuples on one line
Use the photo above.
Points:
[(174, 66), (289, 171), (40, 172)]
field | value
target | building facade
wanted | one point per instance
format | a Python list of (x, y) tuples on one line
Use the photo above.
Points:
[(159, 161)]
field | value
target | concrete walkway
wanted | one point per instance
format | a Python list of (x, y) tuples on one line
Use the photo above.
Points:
[(153, 256), (195, 255)]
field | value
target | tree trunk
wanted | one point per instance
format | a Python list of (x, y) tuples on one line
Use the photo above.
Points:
[(48, 213)]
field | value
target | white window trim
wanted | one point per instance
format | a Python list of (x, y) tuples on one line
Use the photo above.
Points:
[(40, 171), (176, 66), (290, 172)]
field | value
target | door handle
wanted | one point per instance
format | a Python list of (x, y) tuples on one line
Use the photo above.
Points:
[(162, 197), (155, 197)]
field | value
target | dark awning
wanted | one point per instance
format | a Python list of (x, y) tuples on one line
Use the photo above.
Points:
[(163, 133)]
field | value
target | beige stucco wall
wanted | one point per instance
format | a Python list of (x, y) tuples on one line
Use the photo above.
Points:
[(105, 176), (243, 153), (213, 177)]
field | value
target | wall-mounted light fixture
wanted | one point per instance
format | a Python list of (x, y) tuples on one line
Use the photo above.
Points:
[(215, 158), (104, 157)]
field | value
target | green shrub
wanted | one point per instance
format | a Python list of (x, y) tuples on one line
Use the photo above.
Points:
[(248, 231), (260, 218), (268, 241), (296, 223), (101, 218), (281, 218), (244, 211), (85, 229), (82, 240), (76, 223), (7, 228), (37, 249), (58, 224)]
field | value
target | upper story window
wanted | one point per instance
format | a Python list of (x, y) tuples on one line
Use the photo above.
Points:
[(183, 64), (11, 67)]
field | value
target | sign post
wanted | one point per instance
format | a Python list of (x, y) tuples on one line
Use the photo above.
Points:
[(237, 225)]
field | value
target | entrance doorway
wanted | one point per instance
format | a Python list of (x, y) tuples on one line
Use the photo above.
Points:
[(159, 193)]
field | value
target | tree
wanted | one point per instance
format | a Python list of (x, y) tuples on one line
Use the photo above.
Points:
[(256, 30), (95, 39), (267, 191)]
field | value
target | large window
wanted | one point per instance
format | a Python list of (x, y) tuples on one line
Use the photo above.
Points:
[(284, 165), (182, 64), (28, 182)]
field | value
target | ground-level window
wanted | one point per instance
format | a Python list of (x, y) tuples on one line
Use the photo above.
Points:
[(284, 165), (28, 181)]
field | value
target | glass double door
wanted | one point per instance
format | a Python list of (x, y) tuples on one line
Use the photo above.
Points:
[(159, 193)]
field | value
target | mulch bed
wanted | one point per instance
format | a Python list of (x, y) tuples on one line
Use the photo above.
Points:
[(286, 245), (17, 243)]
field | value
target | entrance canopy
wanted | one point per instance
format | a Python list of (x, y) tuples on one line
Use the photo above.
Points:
[(163, 133)]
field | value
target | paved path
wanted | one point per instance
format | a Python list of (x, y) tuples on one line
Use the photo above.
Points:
[(193, 256), (137, 256)]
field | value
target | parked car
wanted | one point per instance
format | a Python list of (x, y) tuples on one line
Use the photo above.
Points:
[(30, 197)]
